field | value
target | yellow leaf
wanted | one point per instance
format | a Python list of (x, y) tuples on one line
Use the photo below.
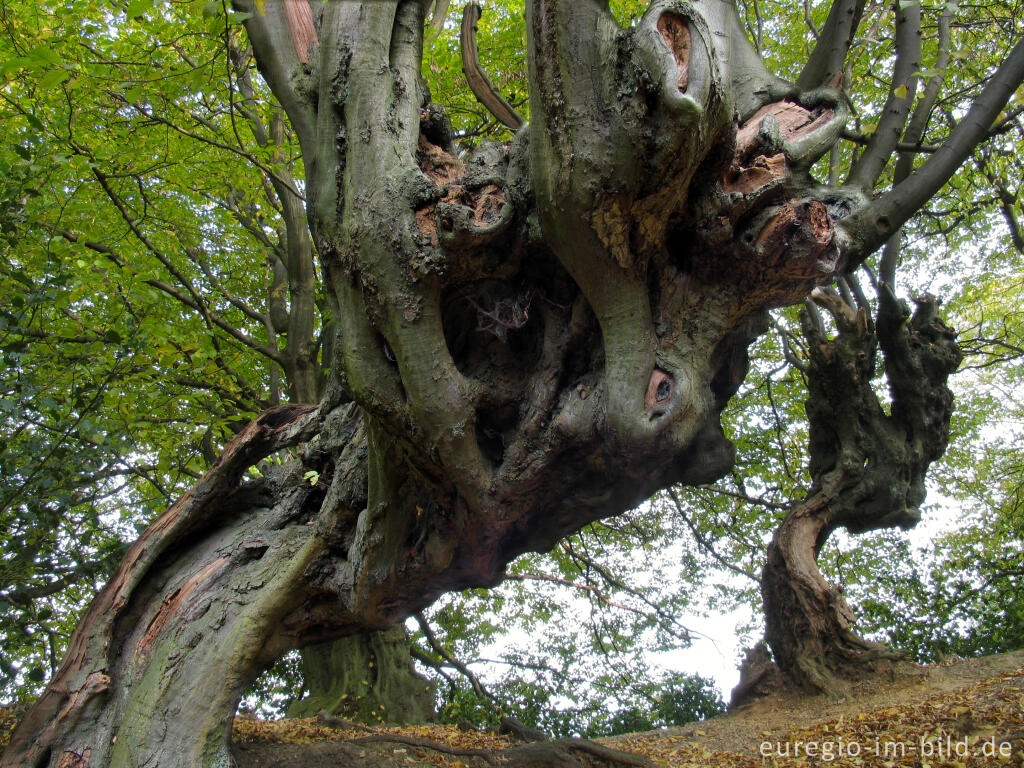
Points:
[(900, 92)]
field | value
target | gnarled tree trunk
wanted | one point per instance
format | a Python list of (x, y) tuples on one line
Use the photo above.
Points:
[(528, 339), (868, 467)]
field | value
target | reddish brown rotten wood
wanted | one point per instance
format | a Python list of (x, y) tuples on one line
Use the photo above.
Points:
[(71, 759), (299, 15), (659, 390), (798, 231), (440, 166), (488, 206), (677, 36), (793, 120), (797, 248), (761, 172)]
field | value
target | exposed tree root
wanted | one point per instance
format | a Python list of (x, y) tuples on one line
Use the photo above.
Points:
[(540, 752)]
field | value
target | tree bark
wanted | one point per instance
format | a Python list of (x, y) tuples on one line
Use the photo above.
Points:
[(367, 678), (868, 468)]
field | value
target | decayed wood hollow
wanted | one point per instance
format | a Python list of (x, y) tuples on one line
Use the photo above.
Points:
[(440, 166), (659, 390), (442, 169), (793, 122), (759, 173), (677, 36), (489, 203), (802, 236)]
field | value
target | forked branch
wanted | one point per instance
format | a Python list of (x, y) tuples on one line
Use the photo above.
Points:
[(870, 226)]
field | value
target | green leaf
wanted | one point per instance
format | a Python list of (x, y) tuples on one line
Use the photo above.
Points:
[(137, 8), (53, 78), (44, 55)]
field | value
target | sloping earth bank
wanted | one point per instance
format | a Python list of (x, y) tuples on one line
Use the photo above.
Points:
[(966, 714)]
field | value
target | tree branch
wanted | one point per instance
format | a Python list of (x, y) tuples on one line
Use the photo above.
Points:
[(827, 61), (870, 226), (706, 545), (173, 292), (915, 132), (277, 57), (440, 650), (478, 81), (869, 166)]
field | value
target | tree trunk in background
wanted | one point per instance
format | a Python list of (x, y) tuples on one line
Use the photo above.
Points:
[(808, 623), (868, 468), (368, 677)]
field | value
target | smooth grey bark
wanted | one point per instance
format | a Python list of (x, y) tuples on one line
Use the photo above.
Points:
[(527, 339)]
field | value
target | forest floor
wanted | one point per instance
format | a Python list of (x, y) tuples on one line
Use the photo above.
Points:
[(963, 714)]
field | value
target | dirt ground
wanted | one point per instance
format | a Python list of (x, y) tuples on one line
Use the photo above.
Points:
[(963, 714), (966, 714), (926, 700)]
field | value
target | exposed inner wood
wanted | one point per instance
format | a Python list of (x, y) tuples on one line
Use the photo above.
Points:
[(762, 171), (659, 390), (677, 36), (440, 166), (299, 15), (793, 121), (487, 210), (174, 601)]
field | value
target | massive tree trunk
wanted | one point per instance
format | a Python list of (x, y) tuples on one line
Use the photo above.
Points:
[(868, 464), (528, 339)]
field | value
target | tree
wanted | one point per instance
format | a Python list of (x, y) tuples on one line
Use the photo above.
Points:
[(90, 378), (618, 258), (868, 465)]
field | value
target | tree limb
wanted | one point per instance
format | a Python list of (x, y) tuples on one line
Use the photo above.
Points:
[(870, 226), (440, 650), (478, 81), (827, 61), (868, 167), (274, 45), (706, 545), (187, 300), (915, 133)]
